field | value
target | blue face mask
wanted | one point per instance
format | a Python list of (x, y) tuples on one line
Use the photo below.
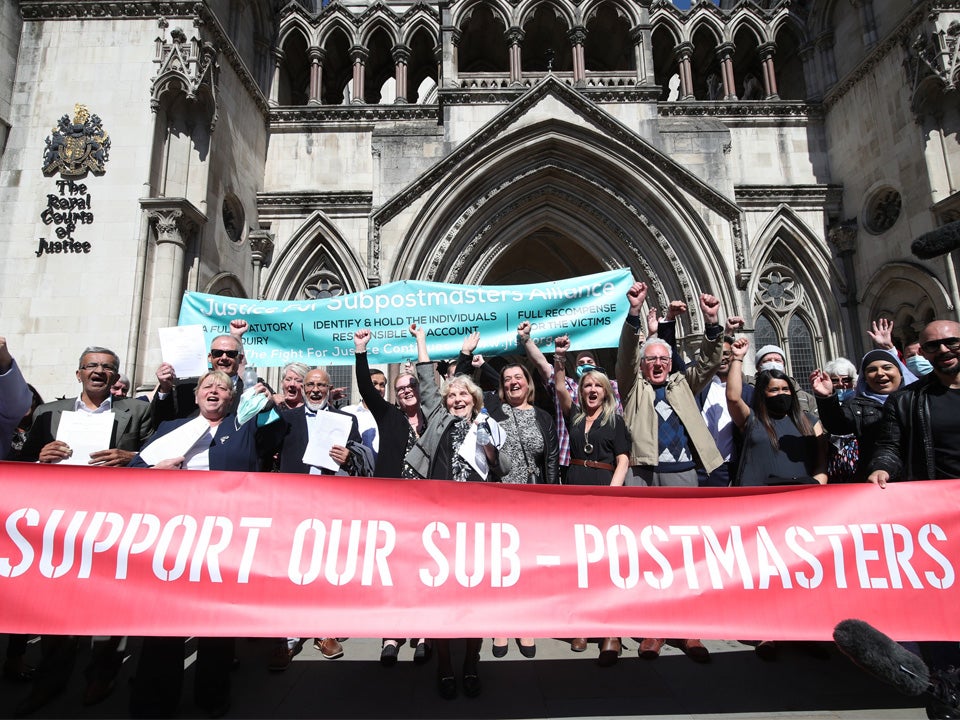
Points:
[(919, 365), (845, 394), (581, 369)]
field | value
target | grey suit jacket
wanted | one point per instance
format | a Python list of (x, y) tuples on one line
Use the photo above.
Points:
[(131, 425)]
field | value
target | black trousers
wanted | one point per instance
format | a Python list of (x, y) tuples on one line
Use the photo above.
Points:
[(159, 678)]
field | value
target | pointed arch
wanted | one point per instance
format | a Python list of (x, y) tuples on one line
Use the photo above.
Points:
[(500, 11), (628, 11), (291, 25), (226, 284), (705, 23), (908, 294), (379, 23), (615, 209), (335, 25), (316, 244), (744, 21), (793, 261), (528, 8)]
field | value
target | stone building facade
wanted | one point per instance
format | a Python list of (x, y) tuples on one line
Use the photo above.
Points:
[(781, 155)]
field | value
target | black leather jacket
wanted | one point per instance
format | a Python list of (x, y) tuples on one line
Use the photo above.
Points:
[(905, 443), (859, 416)]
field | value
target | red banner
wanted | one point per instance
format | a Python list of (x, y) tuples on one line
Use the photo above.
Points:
[(102, 551)]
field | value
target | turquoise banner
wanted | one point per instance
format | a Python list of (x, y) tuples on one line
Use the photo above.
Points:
[(320, 332)]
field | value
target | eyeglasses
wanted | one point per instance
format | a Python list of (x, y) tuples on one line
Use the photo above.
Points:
[(846, 382), (656, 360), (91, 366), (931, 346), (406, 388), (315, 385), (232, 354)]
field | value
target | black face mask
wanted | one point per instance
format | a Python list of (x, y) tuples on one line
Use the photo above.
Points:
[(778, 404)]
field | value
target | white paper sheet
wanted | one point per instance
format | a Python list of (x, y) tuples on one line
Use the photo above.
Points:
[(329, 429), (177, 442), (185, 348), (85, 433)]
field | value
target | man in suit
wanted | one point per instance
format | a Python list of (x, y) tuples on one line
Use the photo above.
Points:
[(98, 370), (316, 393), (174, 400)]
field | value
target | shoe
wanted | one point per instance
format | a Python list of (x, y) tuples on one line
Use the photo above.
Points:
[(282, 656), (578, 644), (215, 708), (98, 690), (499, 651), (528, 651), (422, 654), (609, 652), (447, 686), (650, 648), (18, 671), (330, 648), (695, 650), (37, 698), (471, 685), (388, 654), (766, 650)]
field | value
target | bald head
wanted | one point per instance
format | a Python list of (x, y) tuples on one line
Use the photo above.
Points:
[(316, 386), (940, 344)]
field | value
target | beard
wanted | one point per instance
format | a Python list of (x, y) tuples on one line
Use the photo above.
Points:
[(314, 406)]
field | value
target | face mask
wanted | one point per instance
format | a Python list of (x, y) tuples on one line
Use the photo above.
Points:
[(845, 394), (581, 369), (773, 365), (250, 404), (919, 365), (778, 404)]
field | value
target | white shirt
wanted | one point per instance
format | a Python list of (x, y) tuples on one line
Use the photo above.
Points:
[(369, 432), (717, 417)]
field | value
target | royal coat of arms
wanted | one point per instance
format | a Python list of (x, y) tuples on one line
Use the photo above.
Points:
[(78, 146)]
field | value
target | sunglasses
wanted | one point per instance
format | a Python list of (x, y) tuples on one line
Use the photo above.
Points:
[(232, 354), (931, 346)]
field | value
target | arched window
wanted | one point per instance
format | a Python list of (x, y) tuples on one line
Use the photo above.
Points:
[(765, 333), (803, 360)]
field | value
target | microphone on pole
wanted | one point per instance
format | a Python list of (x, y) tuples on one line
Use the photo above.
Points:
[(940, 241), (890, 662)]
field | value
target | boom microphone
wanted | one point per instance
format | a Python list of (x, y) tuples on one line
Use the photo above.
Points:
[(937, 242), (880, 656)]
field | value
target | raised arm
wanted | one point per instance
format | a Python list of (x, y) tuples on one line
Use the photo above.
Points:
[(533, 352), (881, 332), (628, 348), (421, 335), (739, 410), (562, 345)]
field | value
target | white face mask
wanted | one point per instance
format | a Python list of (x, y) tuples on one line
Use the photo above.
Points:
[(773, 365)]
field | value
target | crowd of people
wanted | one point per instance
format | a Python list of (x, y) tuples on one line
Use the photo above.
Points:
[(658, 420)]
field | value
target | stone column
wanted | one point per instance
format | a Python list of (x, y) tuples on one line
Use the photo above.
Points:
[(175, 222), (725, 53), (683, 52), (810, 77), (515, 38), (828, 66), (275, 85), (577, 36), (359, 56), (641, 36), (868, 22), (317, 56), (767, 51), (261, 245), (843, 237), (401, 56)]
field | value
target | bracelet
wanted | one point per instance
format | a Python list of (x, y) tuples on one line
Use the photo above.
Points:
[(733, 360)]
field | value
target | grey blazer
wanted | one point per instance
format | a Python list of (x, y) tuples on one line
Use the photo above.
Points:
[(131, 425)]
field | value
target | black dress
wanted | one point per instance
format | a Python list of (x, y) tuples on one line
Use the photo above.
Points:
[(608, 441)]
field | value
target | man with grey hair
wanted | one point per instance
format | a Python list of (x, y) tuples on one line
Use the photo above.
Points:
[(98, 370), (668, 434)]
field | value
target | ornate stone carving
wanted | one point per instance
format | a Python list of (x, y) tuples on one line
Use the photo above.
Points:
[(778, 290), (187, 66), (261, 245), (75, 148), (843, 237), (174, 219)]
